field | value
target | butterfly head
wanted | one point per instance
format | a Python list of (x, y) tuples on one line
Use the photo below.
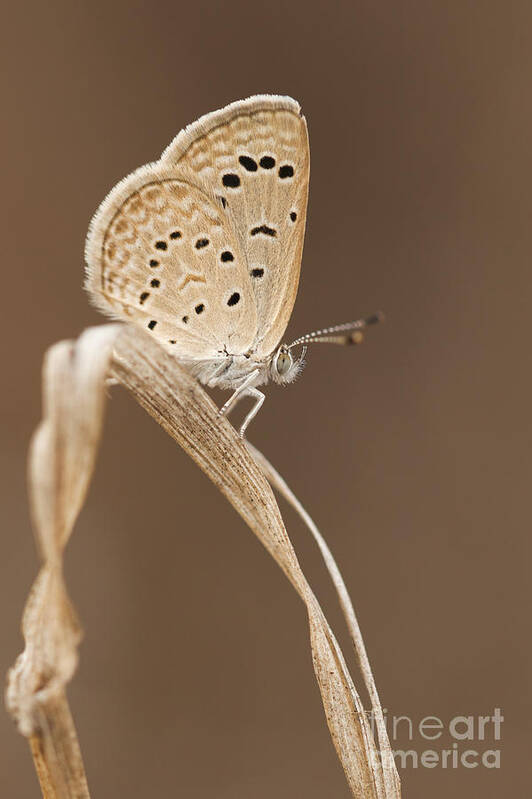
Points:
[(283, 367)]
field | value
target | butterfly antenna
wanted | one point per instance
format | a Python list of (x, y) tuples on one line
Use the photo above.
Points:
[(348, 333)]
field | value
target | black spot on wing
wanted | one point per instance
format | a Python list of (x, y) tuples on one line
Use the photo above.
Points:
[(231, 180), (248, 163), (267, 162), (265, 230), (234, 298), (286, 171)]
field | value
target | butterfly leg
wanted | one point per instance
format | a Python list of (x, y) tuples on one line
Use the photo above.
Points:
[(259, 399), (239, 393)]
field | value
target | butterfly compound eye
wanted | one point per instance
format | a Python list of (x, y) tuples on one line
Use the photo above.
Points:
[(283, 362)]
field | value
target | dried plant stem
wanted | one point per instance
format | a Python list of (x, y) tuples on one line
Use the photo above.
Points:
[(61, 460), (61, 463), (56, 753), (275, 479), (345, 714)]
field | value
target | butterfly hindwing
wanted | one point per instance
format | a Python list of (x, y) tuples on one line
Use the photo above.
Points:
[(168, 261)]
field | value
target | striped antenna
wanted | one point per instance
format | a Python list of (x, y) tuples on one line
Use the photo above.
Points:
[(352, 332)]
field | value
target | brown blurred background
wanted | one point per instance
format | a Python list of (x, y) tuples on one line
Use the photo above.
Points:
[(412, 452)]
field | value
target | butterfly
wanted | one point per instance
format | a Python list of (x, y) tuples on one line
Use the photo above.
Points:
[(203, 247)]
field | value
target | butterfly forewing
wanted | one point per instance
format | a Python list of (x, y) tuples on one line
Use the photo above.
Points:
[(254, 157)]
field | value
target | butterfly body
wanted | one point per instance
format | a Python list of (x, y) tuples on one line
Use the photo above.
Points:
[(228, 371)]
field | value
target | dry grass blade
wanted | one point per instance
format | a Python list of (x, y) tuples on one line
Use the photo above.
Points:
[(62, 459), (391, 777), (181, 406)]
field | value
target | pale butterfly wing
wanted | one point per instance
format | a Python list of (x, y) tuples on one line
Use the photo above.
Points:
[(203, 248), (160, 254), (255, 155)]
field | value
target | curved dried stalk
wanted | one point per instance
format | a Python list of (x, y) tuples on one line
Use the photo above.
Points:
[(275, 479), (62, 458)]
